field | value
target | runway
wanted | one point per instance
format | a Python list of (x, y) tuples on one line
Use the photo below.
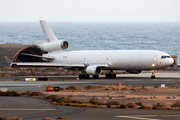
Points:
[(169, 78), (34, 109)]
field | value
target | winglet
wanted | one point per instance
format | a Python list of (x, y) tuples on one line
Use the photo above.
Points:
[(8, 60), (48, 33)]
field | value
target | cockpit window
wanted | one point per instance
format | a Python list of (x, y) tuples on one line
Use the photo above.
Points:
[(163, 57)]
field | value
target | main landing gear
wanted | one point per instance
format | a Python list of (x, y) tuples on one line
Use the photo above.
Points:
[(153, 75), (95, 76), (111, 75), (83, 76), (86, 76)]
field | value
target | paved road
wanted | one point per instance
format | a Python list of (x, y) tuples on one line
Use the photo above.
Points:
[(169, 78), (33, 109)]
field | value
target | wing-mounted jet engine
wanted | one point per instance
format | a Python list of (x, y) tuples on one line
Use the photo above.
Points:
[(93, 70)]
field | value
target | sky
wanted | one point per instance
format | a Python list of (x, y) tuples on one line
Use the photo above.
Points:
[(90, 10)]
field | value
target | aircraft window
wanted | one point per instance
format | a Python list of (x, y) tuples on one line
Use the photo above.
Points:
[(163, 57)]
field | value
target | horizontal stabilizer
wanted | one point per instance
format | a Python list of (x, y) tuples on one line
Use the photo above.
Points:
[(49, 58), (8, 60)]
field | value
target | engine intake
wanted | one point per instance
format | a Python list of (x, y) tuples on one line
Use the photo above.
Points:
[(134, 71), (54, 46), (93, 70)]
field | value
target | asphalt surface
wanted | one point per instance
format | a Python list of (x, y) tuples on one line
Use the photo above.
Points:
[(34, 109), (169, 78)]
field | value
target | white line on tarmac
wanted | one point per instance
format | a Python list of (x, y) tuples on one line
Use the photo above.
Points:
[(26, 109), (156, 115), (141, 117), (137, 118)]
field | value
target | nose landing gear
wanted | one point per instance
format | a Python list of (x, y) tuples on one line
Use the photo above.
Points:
[(153, 75)]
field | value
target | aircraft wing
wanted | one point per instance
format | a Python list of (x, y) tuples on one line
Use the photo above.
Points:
[(53, 64)]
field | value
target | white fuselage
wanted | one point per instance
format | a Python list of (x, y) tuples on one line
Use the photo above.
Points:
[(116, 59)]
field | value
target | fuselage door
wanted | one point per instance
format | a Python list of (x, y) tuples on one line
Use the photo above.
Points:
[(155, 59)]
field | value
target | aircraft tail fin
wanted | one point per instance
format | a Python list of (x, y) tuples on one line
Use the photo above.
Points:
[(48, 33)]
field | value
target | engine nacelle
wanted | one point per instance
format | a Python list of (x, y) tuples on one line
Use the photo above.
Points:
[(93, 70), (134, 71), (54, 46)]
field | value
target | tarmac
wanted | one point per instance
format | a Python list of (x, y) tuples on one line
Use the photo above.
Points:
[(169, 78), (33, 109)]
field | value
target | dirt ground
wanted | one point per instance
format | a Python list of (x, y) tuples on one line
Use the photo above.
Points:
[(149, 96)]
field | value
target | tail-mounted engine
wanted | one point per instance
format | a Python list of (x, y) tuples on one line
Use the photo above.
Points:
[(54, 46)]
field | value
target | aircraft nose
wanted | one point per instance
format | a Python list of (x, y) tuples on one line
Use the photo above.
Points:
[(171, 61)]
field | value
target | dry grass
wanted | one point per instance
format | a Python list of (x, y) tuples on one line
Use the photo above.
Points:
[(8, 72), (131, 105), (123, 106), (177, 104), (45, 118), (14, 118), (9, 93)]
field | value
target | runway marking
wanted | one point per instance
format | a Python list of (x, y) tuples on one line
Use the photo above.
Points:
[(139, 118), (157, 115), (148, 80), (26, 109)]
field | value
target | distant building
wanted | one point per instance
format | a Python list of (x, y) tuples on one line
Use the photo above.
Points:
[(12, 51)]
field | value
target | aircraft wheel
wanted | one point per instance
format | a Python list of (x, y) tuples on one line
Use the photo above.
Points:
[(110, 75), (107, 75), (83, 76), (80, 77), (113, 75), (87, 76), (153, 77), (95, 76)]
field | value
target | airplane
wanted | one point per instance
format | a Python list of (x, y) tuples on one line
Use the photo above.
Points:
[(92, 62)]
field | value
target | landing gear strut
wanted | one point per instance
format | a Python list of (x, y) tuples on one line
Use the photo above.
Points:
[(153, 75), (111, 75)]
